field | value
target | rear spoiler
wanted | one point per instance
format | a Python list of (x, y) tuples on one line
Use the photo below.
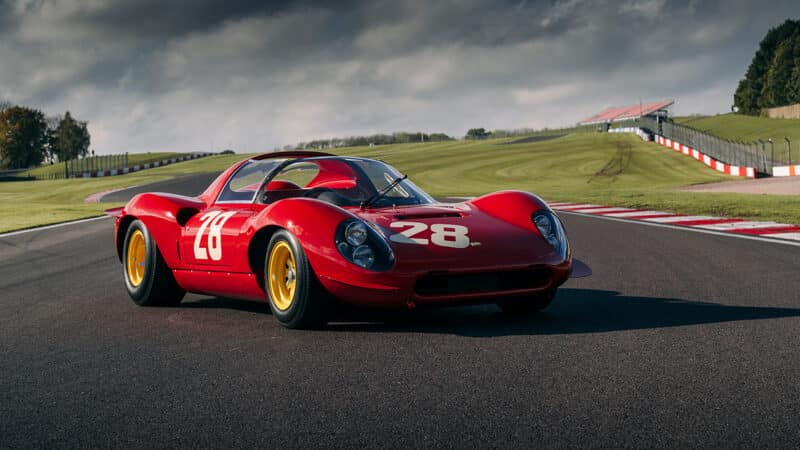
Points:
[(579, 269), (116, 212)]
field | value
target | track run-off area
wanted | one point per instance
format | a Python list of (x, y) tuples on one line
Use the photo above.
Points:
[(678, 339)]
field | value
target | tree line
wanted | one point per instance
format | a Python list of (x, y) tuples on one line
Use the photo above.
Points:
[(28, 137), (373, 139), (773, 77)]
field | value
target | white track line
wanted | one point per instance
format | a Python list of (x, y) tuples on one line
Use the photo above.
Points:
[(639, 213), (680, 219), (49, 227), (743, 225), (604, 210), (794, 236)]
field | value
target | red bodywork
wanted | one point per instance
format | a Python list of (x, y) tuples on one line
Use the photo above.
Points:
[(506, 256)]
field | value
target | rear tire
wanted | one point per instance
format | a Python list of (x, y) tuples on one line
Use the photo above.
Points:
[(147, 278), (527, 305), (295, 295)]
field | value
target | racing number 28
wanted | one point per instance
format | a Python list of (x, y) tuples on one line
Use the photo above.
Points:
[(443, 235), (213, 221)]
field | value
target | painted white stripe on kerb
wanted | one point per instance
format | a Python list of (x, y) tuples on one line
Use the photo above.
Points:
[(742, 225), (603, 210), (680, 219), (791, 236), (637, 214), (571, 207)]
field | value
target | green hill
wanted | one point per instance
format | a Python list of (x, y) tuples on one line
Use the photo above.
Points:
[(739, 127)]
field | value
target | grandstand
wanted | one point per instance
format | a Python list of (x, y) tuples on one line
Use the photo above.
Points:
[(616, 114)]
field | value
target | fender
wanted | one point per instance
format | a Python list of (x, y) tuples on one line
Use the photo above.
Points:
[(514, 207), (164, 215), (314, 223)]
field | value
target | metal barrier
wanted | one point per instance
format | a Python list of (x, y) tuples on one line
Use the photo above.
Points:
[(77, 167), (759, 155)]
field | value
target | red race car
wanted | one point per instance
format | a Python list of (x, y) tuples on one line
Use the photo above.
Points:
[(305, 230)]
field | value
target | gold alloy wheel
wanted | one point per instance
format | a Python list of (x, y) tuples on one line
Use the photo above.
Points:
[(282, 275), (136, 258)]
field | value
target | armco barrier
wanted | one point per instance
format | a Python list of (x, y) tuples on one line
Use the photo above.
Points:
[(707, 160), (138, 167)]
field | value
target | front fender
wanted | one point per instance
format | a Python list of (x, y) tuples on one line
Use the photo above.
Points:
[(314, 224), (514, 207)]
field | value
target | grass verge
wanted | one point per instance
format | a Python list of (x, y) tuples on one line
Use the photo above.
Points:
[(600, 168)]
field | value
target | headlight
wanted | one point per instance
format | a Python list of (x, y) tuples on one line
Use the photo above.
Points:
[(364, 256), (551, 230), (363, 246), (355, 233)]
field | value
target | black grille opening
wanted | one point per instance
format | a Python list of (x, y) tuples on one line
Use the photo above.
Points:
[(445, 284)]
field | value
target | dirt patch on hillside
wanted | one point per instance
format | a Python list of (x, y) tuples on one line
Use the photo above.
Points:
[(771, 186)]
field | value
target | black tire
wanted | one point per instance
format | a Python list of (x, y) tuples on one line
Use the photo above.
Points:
[(527, 305), (305, 304), (154, 285)]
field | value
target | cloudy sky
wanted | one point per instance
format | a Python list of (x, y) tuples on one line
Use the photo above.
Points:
[(187, 75)]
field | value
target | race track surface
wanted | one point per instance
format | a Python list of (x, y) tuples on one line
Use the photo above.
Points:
[(679, 339)]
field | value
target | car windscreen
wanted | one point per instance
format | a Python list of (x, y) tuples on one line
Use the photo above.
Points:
[(343, 182)]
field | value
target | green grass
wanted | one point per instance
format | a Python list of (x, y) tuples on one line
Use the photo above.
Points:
[(24, 204), (600, 168), (739, 127), (47, 171)]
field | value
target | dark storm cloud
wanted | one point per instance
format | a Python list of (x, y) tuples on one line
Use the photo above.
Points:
[(156, 75)]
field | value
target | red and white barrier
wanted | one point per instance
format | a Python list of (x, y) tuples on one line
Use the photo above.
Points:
[(728, 169), (786, 171), (138, 167)]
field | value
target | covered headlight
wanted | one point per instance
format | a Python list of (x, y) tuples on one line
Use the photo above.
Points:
[(355, 233), (552, 231), (363, 246)]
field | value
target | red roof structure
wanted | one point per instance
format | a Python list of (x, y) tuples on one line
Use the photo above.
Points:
[(627, 112)]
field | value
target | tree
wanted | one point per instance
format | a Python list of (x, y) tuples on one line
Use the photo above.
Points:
[(477, 133), (70, 139), (23, 135), (766, 76)]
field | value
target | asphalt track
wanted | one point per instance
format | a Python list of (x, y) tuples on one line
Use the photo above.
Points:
[(679, 339)]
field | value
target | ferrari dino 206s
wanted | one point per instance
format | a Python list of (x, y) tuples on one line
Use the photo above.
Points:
[(305, 230)]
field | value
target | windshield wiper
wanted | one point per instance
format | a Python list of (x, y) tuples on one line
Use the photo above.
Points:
[(382, 193)]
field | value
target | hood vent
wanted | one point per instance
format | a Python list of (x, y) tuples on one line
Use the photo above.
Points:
[(429, 215)]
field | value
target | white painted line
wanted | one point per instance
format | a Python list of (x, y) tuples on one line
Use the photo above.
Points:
[(603, 210), (680, 219), (793, 236), (743, 225), (571, 207), (749, 237), (638, 214), (48, 227)]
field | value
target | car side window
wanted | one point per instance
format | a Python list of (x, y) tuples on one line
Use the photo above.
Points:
[(242, 185)]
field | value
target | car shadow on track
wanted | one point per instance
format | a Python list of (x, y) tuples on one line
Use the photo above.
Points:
[(574, 311)]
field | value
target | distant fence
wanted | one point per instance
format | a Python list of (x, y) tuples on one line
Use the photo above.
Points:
[(759, 155), (784, 112), (75, 168), (111, 165)]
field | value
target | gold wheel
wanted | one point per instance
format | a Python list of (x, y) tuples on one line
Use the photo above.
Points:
[(282, 275), (137, 256)]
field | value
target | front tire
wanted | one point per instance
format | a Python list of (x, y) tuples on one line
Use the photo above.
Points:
[(147, 278), (527, 305), (295, 295)]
